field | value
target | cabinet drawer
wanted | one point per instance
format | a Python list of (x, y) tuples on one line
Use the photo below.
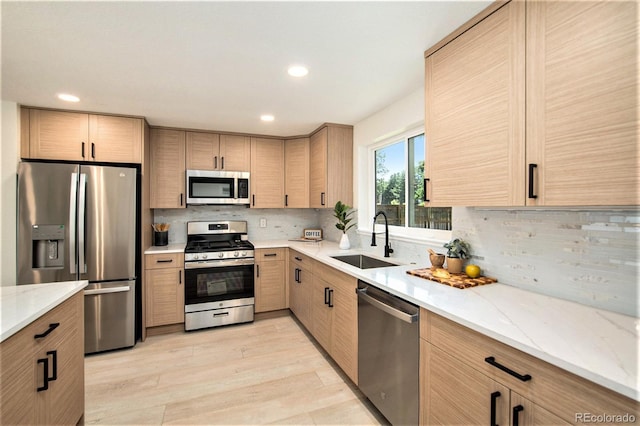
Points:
[(301, 260), (163, 261), (273, 254), (335, 278), (548, 386)]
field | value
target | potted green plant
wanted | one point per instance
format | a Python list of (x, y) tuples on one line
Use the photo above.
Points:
[(457, 251), (344, 213)]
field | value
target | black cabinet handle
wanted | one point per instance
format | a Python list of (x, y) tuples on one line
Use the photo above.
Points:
[(532, 169), (54, 359), (286, 200), (270, 254), (492, 360), (180, 277), (326, 295), (45, 375), (424, 195), (322, 198), (516, 414), (331, 298), (299, 259), (297, 275), (494, 397), (93, 150), (222, 162), (215, 162), (82, 149), (52, 327), (257, 271), (181, 197), (253, 200), (164, 261)]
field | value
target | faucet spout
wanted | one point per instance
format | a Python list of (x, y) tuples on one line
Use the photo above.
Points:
[(387, 247)]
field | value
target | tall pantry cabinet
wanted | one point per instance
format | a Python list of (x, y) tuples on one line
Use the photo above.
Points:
[(535, 104)]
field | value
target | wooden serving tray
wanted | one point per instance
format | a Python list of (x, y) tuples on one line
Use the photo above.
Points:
[(456, 280)]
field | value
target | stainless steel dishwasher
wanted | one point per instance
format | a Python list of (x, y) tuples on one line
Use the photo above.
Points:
[(388, 353)]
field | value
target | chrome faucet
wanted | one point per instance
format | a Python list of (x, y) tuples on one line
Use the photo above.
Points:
[(387, 247)]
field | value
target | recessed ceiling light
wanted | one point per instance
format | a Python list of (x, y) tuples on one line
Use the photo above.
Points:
[(266, 117), (298, 71), (68, 98)]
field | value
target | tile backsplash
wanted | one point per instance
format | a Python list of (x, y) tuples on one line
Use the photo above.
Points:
[(590, 257)]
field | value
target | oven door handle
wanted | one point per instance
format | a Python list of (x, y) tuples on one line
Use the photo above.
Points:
[(218, 263)]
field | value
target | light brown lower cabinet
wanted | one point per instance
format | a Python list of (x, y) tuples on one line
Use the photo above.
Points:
[(164, 289), (42, 369), (469, 378), (271, 281), (300, 286)]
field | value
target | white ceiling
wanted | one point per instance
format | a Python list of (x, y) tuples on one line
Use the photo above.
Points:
[(220, 65)]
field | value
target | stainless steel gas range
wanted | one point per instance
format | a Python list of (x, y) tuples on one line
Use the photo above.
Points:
[(219, 276)]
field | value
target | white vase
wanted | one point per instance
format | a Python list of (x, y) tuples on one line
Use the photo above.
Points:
[(344, 242)]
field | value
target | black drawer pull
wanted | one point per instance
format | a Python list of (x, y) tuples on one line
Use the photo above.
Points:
[(494, 397), (516, 414), (54, 359), (532, 169), (257, 271), (299, 259), (492, 360), (326, 295), (52, 327), (45, 375), (270, 254), (330, 298), (164, 260), (424, 192)]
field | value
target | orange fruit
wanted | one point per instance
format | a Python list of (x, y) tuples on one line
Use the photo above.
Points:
[(472, 270)]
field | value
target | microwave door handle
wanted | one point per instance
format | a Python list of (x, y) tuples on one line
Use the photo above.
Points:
[(235, 187), (73, 210)]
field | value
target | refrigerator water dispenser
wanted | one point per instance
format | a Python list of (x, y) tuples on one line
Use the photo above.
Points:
[(48, 246)]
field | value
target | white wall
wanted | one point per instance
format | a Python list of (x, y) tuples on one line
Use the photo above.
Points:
[(8, 167)]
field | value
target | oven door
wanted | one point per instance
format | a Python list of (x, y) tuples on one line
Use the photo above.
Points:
[(216, 281)]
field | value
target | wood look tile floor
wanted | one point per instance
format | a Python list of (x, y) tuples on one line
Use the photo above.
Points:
[(266, 372)]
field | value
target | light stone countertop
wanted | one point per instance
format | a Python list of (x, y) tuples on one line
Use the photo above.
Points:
[(598, 345), (171, 248), (22, 304)]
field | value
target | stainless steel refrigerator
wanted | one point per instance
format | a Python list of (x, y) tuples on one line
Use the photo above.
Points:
[(78, 222)]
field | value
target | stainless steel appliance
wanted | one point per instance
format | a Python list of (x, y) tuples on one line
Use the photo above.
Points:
[(78, 222), (219, 283), (217, 187), (388, 354)]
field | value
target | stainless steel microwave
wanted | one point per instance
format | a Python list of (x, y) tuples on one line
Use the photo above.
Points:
[(217, 187)]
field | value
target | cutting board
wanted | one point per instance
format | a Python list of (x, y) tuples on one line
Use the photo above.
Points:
[(456, 280)]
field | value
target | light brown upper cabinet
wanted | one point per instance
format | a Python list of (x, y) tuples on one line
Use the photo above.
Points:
[(331, 166), (582, 103), (167, 169), (267, 173), (474, 104), (211, 151), (579, 144), (72, 136), (296, 173)]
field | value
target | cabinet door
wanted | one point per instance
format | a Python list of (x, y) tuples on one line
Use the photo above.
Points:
[(18, 371), (300, 289), (167, 169), (270, 286), (582, 102), (528, 413), (165, 297), (235, 153), (453, 393), (318, 169), (58, 135), (321, 312), (344, 330), (339, 165), (267, 173), (203, 151), (474, 106), (296, 173), (115, 139)]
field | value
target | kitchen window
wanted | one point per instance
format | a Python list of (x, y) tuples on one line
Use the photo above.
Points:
[(398, 165)]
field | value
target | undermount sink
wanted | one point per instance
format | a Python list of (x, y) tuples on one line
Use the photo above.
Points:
[(363, 262)]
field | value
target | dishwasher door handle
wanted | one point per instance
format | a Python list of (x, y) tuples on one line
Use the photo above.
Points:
[(362, 293)]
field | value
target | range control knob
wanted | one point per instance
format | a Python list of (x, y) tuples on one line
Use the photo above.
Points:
[(195, 256), (221, 254), (236, 254), (244, 254), (204, 256)]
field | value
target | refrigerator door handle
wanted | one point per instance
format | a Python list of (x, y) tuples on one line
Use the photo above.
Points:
[(73, 207), (119, 289), (82, 206)]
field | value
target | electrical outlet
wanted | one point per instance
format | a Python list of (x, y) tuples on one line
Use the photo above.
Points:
[(263, 223)]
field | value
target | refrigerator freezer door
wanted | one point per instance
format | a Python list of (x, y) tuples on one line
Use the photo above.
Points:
[(109, 312), (107, 225), (46, 220)]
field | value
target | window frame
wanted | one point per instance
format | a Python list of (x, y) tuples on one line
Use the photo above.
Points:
[(405, 233)]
